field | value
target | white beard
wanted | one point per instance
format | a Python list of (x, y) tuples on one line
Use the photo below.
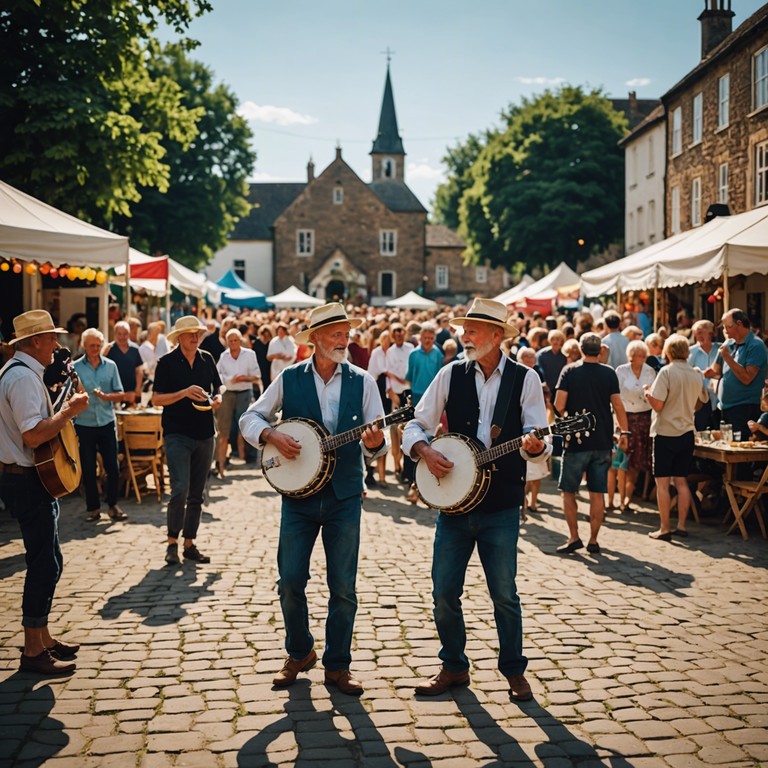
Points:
[(478, 353)]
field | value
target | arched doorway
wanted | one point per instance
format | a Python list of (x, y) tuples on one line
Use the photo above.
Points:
[(334, 290)]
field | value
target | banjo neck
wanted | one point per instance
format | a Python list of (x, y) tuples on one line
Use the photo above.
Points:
[(502, 449), (331, 442)]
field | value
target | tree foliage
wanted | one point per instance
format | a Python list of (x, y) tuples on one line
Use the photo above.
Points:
[(549, 186), (459, 160)]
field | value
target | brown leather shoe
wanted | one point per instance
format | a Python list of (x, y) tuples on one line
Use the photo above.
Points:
[(63, 651), (441, 682), (287, 675), (344, 681), (519, 690), (46, 664)]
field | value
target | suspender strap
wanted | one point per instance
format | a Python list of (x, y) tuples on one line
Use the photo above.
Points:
[(506, 387)]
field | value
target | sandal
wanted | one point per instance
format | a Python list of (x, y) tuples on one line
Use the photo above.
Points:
[(93, 516), (413, 495), (116, 513)]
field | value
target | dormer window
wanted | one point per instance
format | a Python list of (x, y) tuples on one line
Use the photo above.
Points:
[(338, 195), (388, 168)]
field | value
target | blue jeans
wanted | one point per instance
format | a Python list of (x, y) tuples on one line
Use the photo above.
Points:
[(101, 440), (38, 515), (300, 523), (495, 534), (189, 462)]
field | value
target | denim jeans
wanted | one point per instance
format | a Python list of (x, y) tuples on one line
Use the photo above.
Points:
[(38, 515), (300, 523), (101, 440), (495, 534), (189, 462)]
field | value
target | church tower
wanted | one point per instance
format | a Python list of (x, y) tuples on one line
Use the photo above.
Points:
[(387, 154)]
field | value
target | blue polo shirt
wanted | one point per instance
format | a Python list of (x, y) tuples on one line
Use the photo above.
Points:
[(422, 368), (751, 351), (105, 377)]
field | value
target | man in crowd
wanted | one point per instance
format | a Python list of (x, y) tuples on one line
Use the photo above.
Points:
[(281, 351), (589, 386), (96, 427), (26, 422), (614, 339), (187, 388), (397, 368), (127, 357), (330, 391), (551, 361), (216, 341), (470, 391)]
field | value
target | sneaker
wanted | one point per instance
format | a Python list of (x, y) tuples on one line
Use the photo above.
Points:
[(172, 554), (193, 553)]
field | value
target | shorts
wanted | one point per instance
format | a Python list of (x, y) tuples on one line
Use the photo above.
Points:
[(673, 456), (619, 459), (573, 466)]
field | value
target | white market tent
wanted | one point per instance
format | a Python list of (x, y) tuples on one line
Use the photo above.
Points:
[(509, 296), (725, 246), (293, 298), (412, 300), (561, 279)]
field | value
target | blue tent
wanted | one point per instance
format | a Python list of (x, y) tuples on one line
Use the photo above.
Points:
[(238, 293)]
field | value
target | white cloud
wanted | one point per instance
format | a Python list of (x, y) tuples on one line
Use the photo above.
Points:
[(541, 80), (268, 114), (638, 82), (257, 176), (423, 170)]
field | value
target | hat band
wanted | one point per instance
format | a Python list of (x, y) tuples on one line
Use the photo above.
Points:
[(481, 316), (328, 321)]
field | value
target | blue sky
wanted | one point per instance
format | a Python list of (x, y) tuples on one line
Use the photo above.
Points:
[(309, 73)]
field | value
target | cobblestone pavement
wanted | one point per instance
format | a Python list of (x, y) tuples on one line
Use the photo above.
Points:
[(649, 654)]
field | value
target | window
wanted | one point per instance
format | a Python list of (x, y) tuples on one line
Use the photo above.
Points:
[(388, 242), (675, 211), (651, 221), (631, 230), (723, 101), (761, 173), (722, 183), (238, 267), (305, 242), (441, 277), (481, 274), (388, 168), (651, 156), (633, 167), (696, 202), (677, 131), (760, 79), (387, 285), (698, 118), (338, 195), (640, 226)]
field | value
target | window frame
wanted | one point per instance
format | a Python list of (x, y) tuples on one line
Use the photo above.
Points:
[(696, 201), (388, 242), (338, 195), (481, 270), (722, 183), (676, 133), (724, 101), (697, 119), (760, 83), (391, 272), (674, 210), (442, 285), (761, 173), (301, 247)]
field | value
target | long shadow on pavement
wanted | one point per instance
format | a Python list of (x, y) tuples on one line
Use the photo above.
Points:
[(161, 595), (28, 735)]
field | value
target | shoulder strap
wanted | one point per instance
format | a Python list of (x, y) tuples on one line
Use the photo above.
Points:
[(508, 379), (14, 364)]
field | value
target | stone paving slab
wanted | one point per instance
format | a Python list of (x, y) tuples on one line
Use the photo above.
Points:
[(648, 655)]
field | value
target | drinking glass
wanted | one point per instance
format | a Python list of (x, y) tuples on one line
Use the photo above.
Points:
[(727, 430)]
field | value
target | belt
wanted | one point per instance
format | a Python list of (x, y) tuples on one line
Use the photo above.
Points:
[(15, 469)]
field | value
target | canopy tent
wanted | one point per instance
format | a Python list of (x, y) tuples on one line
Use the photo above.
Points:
[(412, 300), (33, 231), (509, 296), (561, 283), (725, 246), (293, 298), (238, 293)]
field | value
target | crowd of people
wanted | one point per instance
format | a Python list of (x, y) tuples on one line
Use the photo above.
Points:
[(224, 382)]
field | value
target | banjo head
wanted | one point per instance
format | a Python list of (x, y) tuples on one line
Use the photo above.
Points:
[(451, 491), (293, 476)]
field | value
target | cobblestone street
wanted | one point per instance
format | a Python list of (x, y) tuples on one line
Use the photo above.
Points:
[(649, 654)]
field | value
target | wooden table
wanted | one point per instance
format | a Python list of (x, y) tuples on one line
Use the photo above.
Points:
[(730, 457)]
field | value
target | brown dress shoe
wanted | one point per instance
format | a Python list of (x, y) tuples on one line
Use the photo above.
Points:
[(344, 681), (287, 675), (441, 682), (46, 663), (519, 690), (63, 651)]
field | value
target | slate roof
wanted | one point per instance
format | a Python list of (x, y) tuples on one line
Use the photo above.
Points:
[(396, 196), (271, 199), (635, 110), (388, 139), (440, 236), (655, 116)]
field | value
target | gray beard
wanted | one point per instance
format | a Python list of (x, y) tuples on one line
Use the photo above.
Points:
[(478, 352)]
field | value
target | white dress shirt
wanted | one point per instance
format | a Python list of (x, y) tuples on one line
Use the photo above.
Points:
[(245, 365), (397, 363), (432, 404), (378, 363), (278, 346), (631, 387)]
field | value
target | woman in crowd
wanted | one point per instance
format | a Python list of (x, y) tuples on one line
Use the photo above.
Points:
[(377, 367)]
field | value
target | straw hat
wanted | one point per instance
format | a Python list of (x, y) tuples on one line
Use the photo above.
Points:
[(186, 324), (489, 311), (33, 323), (326, 315)]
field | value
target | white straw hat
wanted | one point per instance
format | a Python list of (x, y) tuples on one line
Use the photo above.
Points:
[(326, 315), (489, 311), (186, 324), (33, 323)]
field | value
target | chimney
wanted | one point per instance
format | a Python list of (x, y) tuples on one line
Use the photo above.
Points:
[(716, 24), (310, 171)]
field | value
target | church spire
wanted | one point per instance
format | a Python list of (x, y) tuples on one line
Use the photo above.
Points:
[(387, 154)]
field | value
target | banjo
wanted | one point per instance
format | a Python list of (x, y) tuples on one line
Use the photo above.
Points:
[(313, 467), (466, 485)]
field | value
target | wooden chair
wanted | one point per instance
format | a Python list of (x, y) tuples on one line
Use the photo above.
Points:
[(143, 444), (752, 492)]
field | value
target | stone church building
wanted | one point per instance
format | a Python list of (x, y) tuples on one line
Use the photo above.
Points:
[(338, 237)]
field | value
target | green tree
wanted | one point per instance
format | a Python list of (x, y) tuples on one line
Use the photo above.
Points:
[(207, 189), (459, 160), (82, 123), (548, 188)]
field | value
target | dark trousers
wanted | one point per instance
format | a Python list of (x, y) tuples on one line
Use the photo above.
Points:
[(738, 416), (37, 513), (101, 440), (189, 462)]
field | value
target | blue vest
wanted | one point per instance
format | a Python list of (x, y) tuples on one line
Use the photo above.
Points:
[(300, 400), (463, 412)]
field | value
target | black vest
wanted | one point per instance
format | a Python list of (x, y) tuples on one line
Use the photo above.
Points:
[(463, 412)]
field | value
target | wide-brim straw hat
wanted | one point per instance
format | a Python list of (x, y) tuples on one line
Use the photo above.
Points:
[(33, 323), (489, 311), (326, 315), (186, 324)]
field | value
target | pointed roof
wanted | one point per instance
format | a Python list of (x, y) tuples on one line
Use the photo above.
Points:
[(388, 140)]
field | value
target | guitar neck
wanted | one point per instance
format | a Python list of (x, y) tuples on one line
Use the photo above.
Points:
[(332, 442), (502, 449)]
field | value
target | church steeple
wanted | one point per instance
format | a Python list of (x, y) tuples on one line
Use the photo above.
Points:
[(387, 154)]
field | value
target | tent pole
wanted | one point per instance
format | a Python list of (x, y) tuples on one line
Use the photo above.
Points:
[(726, 293), (655, 307), (168, 299), (127, 293)]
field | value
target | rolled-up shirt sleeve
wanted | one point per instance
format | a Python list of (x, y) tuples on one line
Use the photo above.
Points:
[(372, 410), (534, 414), (428, 412), (263, 413)]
